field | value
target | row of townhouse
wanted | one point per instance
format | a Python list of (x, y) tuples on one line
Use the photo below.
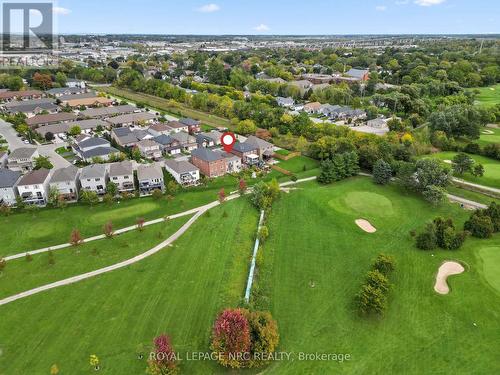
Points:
[(34, 187)]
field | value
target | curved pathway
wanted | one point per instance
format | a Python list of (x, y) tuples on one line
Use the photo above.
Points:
[(113, 267), (198, 212)]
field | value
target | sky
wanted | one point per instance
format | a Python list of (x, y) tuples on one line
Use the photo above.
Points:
[(278, 17)]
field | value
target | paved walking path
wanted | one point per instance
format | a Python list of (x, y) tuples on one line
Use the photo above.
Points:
[(113, 267), (482, 187), (465, 202)]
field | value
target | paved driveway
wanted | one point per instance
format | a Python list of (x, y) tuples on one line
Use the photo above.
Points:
[(10, 135), (50, 150)]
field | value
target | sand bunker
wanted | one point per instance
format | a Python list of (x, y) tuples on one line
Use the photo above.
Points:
[(447, 269), (486, 131), (365, 225), (448, 161)]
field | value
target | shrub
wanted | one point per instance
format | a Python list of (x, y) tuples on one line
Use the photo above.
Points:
[(28, 257), (5, 210), (377, 280), (51, 258), (371, 300), (3, 263), (75, 238), (263, 233), (426, 240), (107, 229), (479, 225), (157, 194), (384, 264), (164, 361), (140, 223)]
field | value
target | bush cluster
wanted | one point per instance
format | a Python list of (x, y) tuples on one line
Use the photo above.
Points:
[(372, 298)]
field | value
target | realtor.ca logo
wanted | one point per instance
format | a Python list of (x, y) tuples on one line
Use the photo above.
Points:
[(28, 36)]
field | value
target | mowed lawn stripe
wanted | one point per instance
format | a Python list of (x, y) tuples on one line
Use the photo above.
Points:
[(418, 323), (178, 290)]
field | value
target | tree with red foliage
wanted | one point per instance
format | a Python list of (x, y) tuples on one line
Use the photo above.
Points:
[(42, 81), (108, 229), (231, 338), (164, 361), (75, 238), (242, 186), (222, 195)]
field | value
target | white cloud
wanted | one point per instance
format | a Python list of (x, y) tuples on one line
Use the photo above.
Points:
[(61, 11), (261, 28), (380, 8), (208, 8), (428, 3), (401, 2)]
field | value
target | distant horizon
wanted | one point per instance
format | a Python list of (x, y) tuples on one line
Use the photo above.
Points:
[(279, 18)]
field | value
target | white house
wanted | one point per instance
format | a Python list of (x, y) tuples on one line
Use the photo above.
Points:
[(122, 174), (22, 159), (149, 149), (150, 178), (94, 178), (185, 173), (33, 187), (75, 83), (65, 180), (8, 190)]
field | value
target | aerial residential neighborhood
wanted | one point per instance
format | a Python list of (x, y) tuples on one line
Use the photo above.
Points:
[(249, 187)]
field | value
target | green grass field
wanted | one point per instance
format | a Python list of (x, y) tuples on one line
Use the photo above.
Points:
[(298, 164), (178, 291), (21, 275), (489, 95), (314, 241), (29, 231), (491, 169), (490, 257), (311, 267), (486, 136)]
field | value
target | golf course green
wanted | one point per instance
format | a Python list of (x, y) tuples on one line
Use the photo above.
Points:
[(309, 270)]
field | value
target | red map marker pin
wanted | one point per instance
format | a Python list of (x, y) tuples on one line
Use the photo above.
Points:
[(228, 140)]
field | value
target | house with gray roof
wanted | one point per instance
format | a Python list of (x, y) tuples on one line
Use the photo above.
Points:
[(8, 189), (94, 178), (187, 141), (149, 149), (122, 174), (22, 159), (127, 137), (55, 118), (185, 173), (150, 178), (94, 147), (246, 152), (168, 145), (33, 109), (132, 119), (86, 126), (193, 125), (33, 187), (265, 150), (61, 91), (66, 181), (105, 112)]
